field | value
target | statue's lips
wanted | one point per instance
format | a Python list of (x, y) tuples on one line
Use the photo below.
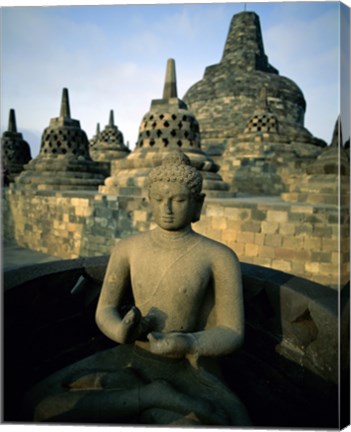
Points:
[(168, 218)]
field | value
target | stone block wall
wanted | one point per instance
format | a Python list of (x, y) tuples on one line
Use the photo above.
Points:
[(302, 240), (70, 225), (299, 239)]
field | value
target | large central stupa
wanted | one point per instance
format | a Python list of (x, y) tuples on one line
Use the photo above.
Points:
[(226, 98)]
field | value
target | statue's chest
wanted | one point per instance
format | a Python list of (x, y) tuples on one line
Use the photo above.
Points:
[(172, 277)]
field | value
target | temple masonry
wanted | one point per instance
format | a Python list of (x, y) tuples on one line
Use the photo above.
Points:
[(168, 125), (251, 118), (64, 162), (275, 193)]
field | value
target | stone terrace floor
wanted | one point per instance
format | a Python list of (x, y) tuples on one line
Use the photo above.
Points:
[(14, 256)]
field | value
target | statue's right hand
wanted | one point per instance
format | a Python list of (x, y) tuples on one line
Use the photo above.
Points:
[(130, 324), (135, 326)]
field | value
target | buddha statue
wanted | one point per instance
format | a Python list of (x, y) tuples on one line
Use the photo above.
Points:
[(187, 312)]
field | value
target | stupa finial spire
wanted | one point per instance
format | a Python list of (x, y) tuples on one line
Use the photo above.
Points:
[(12, 121), (65, 109), (337, 134), (170, 87), (111, 121), (244, 44)]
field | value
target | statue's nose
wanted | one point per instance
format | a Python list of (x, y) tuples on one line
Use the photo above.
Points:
[(168, 207)]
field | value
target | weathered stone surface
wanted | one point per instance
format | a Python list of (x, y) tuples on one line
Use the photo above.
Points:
[(60, 329), (39, 220), (108, 145), (226, 98), (263, 159), (159, 380), (63, 162), (166, 127), (327, 179), (15, 151)]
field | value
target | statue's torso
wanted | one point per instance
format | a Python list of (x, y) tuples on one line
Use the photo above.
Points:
[(172, 280)]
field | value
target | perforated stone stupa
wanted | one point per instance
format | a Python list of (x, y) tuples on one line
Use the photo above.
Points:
[(64, 162), (262, 158), (109, 144), (168, 125), (15, 150), (225, 99)]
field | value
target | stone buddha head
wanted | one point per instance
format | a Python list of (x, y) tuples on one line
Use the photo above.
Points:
[(175, 192)]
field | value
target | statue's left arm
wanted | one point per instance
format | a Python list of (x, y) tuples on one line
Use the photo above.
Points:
[(226, 335)]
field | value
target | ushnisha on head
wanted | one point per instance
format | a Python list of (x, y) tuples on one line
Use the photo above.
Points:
[(175, 192), (176, 167)]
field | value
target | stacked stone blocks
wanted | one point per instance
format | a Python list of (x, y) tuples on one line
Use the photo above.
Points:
[(302, 240)]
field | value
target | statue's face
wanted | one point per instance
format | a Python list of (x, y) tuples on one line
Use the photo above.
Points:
[(173, 205)]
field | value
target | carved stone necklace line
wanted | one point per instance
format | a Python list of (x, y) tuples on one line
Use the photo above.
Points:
[(182, 254)]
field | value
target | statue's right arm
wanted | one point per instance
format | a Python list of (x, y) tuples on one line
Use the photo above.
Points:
[(116, 281)]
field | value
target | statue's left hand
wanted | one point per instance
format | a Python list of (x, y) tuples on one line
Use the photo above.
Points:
[(174, 344)]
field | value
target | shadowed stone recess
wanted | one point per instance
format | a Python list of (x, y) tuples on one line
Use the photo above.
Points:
[(15, 150), (226, 98), (169, 125), (64, 162)]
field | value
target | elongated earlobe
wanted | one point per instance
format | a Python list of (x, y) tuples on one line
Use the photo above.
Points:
[(199, 201)]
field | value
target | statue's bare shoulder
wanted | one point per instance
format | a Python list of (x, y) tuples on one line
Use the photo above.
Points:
[(217, 251), (130, 245)]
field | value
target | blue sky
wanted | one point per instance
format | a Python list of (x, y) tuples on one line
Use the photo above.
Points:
[(114, 57)]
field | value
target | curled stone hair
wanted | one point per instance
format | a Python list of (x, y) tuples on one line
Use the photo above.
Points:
[(176, 167)]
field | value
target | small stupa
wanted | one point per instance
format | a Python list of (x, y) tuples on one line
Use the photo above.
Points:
[(15, 150), (262, 158), (63, 162), (109, 144), (168, 125), (327, 180)]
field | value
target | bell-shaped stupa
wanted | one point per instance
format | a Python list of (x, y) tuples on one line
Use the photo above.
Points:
[(167, 126), (15, 150), (63, 162), (109, 144), (226, 98)]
